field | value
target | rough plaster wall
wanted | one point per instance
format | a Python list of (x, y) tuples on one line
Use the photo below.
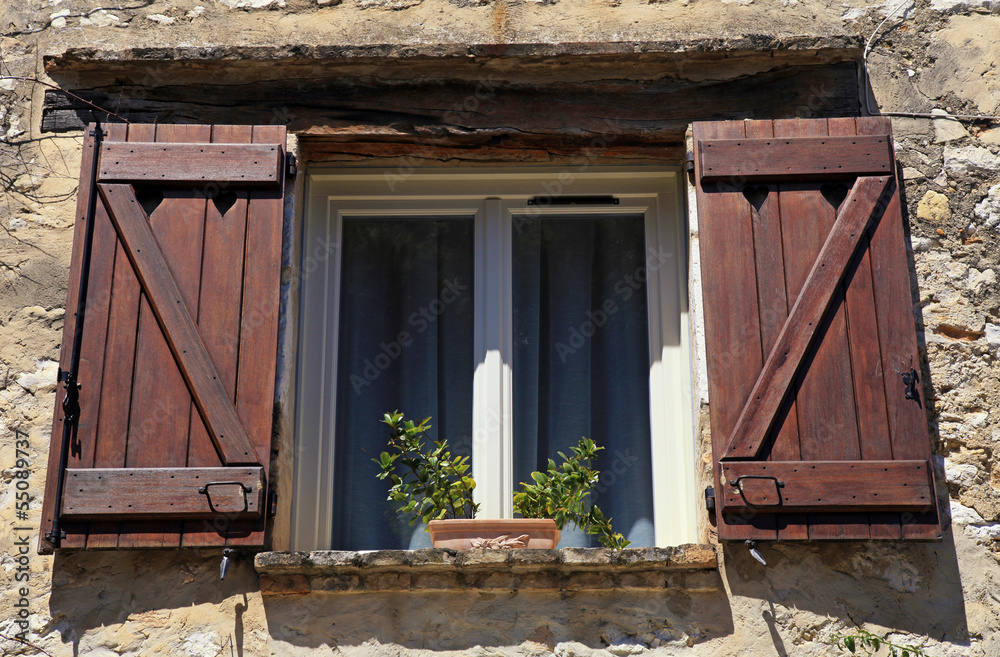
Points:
[(940, 55)]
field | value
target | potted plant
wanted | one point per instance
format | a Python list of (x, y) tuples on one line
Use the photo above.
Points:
[(427, 482)]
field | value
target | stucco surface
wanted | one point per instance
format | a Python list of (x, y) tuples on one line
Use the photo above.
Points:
[(942, 596)]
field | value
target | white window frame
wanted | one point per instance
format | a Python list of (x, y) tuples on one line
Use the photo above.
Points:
[(492, 196)]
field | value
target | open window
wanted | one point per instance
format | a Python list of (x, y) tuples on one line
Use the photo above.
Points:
[(520, 309)]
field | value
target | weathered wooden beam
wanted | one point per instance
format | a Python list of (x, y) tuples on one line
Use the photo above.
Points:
[(801, 158), (158, 162), (657, 108), (174, 493), (787, 486)]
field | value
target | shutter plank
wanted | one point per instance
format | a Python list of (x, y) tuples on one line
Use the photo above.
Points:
[(897, 334), (725, 233), (93, 364), (802, 158), (142, 493), (806, 320), (159, 425), (219, 318), (827, 485), (53, 475), (201, 163), (865, 357), (258, 353), (773, 309)]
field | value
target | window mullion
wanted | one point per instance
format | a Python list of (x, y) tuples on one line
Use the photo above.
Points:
[(490, 464)]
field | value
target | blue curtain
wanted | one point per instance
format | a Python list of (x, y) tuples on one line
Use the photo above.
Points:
[(406, 326), (581, 358)]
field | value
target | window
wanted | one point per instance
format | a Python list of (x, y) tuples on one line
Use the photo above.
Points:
[(517, 322)]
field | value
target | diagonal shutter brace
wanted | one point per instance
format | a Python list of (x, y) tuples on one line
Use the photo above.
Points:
[(71, 402)]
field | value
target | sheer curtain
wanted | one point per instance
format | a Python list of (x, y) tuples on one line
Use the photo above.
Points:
[(405, 342), (581, 358)]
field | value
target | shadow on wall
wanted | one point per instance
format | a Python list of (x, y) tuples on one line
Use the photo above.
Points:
[(907, 587), (464, 619), (92, 589)]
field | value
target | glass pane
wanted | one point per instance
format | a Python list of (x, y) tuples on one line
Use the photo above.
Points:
[(581, 358), (406, 343)]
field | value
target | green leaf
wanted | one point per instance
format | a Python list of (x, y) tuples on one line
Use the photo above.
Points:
[(849, 643)]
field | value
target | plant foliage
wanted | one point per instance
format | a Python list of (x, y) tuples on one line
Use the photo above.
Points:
[(866, 643), (427, 482), (433, 484), (561, 493)]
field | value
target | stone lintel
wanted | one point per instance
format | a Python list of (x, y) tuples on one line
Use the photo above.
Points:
[(688, 567)]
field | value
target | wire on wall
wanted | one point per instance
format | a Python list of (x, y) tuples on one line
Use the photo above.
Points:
[(916, 115)]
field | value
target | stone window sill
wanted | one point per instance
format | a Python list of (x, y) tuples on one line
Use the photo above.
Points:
[(691, 568)]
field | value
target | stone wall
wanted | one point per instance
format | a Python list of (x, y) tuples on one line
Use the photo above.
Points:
[(935, 58)]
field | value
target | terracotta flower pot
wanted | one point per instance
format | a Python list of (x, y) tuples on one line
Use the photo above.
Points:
[(458, 534)]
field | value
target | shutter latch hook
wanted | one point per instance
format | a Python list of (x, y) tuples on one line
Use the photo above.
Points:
[(224, 566), (752, 546)]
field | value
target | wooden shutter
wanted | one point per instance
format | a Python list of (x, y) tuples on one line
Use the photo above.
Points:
[(179, 339), (810, 333)]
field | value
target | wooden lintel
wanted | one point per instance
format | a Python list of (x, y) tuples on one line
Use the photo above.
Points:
[(172, 493), (789, 486)]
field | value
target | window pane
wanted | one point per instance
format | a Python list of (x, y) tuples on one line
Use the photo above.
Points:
[(406, 343), (581, 357)]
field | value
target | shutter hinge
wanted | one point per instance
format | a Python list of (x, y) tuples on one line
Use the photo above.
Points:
[(71, 402), (710, 498), (291, 166), (910, 380), (272, 501), (689, 162)]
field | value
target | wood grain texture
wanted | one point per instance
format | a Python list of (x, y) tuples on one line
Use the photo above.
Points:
[(772, 159), (732, 331), (132, 373), (163, 493), (218, 317), (168, 304), (159, 424), (259, 325), (167, 163), (836, 486), (897, 335), (842, 409), (773, 305), (805, 319), (53, 475)]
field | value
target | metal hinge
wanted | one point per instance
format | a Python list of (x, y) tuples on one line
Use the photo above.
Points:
[(291, 166), (710, 498), (272, 501), (71, 402), (910, 380)]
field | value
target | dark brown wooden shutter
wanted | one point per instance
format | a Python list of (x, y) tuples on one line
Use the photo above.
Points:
[(810, 333), (179, 341)]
